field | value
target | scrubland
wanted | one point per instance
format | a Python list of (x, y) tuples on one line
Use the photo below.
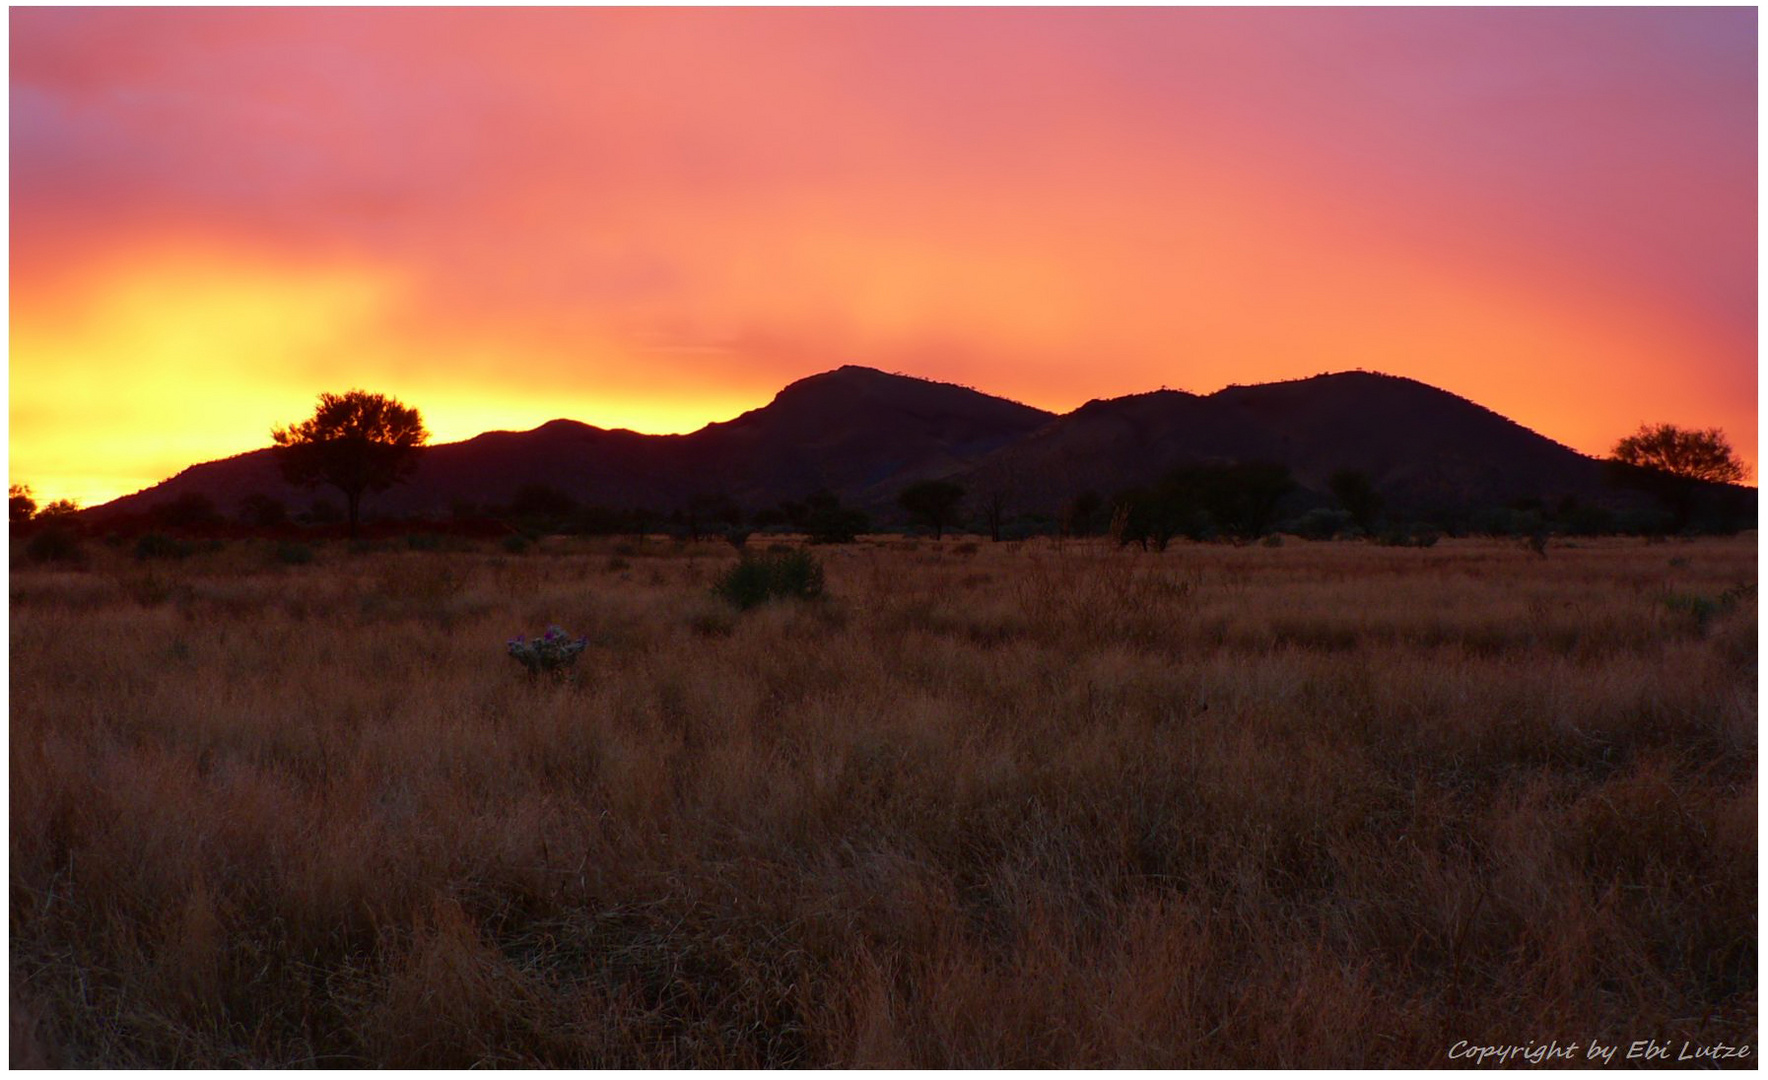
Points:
[(985, 805)]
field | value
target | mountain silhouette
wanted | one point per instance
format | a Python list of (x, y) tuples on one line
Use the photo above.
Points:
[(854, 431), (1421, 446), (866, 434)]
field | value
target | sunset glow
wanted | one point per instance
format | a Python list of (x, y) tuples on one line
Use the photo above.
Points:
[(656, 218)]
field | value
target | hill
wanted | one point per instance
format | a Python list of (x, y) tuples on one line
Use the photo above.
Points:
[(1421, 446), (855, 431)]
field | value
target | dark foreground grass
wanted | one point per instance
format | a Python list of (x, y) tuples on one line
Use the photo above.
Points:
[(1311, 805)]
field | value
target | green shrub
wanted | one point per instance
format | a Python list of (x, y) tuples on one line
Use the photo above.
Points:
[(423, 542), (760, 578), (160, 546), (515, 545)]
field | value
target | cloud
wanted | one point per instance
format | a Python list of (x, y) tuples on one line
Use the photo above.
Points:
[(692, 207)]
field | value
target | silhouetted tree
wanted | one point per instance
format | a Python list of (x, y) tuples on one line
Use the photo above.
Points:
[(1200, 502), (1705, 456), (1080, 518), (1356, 493), (19, 503), (1243, 497), (997, 489), (826, 521), (61, 511), (356, 442), (1672, 463), (932, 502)]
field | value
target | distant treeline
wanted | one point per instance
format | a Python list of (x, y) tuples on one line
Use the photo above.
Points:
[(1201, 502)]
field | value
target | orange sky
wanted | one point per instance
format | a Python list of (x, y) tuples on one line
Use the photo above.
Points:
[(655, 218)]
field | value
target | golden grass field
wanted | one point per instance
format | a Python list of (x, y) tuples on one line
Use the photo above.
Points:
[(986, 805)]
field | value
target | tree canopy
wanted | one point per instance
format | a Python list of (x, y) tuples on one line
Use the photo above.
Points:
[(20, 503), (1673, 464), (356, 442), (934, 503), (1704, 455)]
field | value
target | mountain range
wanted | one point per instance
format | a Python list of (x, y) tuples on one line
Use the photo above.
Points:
[(865, 434)]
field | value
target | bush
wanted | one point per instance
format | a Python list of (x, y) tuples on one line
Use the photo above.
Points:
[(54, 545), (515, 545), (758, 579), (160, 546), (423, 542)]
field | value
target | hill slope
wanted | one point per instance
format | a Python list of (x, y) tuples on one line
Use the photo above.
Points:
[(855, 430), (1420, 445)]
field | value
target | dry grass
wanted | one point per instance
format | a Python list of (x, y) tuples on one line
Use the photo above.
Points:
[(1314, 805)]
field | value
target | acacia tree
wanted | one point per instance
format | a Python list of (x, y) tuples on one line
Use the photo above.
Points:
[(934, 502), (1704, 456), (1672, 463), (357, 442)]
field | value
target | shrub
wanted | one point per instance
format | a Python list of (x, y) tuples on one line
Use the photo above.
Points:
[(423, 542), (160, 546), (515, 545), (54, 545), (758, 579)]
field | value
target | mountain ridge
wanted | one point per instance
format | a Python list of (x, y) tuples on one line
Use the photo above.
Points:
[(864, 434)]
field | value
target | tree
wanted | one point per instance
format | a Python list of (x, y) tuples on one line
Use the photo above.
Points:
[(1079, 517), (1704, 456), (1357, 495), (1673, 463), (59, 511), (933, 502), (356, 442), (826, 521), (20, 504)]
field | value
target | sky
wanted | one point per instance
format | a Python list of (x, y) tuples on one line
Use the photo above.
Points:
[(655, 218)]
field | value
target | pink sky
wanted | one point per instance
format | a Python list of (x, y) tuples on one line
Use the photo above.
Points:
[(655, 218)]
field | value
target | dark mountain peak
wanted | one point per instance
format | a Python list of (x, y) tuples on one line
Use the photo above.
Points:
[(1164, 395), (866, 434), (852, 393), (564, 427)]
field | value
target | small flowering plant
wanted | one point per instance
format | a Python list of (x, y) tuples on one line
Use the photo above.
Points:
[(549, 652)]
